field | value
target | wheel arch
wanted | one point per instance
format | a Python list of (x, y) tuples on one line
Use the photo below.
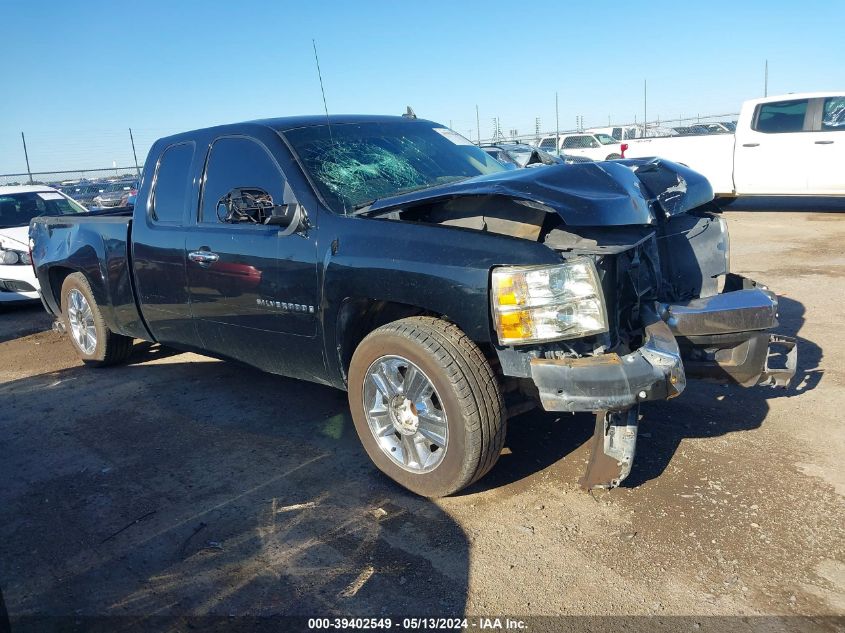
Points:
[(57, 275), (359, 316)]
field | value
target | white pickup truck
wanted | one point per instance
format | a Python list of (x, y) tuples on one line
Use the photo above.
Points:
[(789, 145)]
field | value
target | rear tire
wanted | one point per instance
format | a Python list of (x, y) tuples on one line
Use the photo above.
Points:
[(464, 396), (614, 157), (94, 342)]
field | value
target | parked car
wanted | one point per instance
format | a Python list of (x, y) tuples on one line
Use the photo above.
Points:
[(619, 132), (584, 145), (114, 193), (787, 145), (128, 197), (18, 205), (392, 258), (84, 193), (524, 155)]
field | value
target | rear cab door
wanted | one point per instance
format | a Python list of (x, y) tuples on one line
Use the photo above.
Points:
[(772, 152), (254, 291), (158, 235), (826, 147)]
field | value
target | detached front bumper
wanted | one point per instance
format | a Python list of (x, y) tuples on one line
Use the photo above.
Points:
[(724, 337)]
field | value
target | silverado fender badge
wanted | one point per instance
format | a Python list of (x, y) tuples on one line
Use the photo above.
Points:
[(284, 305)]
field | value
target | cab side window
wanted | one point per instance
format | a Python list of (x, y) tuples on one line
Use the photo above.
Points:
[(172, 183), (242, 183), (833, 114), (781, 116)]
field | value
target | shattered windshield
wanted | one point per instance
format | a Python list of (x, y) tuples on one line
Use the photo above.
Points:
[(354, 164)]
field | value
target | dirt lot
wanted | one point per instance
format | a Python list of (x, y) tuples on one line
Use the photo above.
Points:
[(181, 485)]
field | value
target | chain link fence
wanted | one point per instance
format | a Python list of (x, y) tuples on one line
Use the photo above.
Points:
[(502, 131), (44, 149), (60, 178)]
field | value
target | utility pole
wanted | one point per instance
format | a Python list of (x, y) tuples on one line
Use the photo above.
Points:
[(557, 126), (645, 107), (477, 125), (132, 140), (26, 156), (766, 80)]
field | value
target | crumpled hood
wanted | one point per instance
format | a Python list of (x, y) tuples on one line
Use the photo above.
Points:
[(608, 193), (16, 237)]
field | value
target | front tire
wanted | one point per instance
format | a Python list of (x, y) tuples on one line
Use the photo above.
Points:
[(426, 405), (94, 342)]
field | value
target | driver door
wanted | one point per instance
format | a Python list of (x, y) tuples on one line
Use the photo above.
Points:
[(253, 286)]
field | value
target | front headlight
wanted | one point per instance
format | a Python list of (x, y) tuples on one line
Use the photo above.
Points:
[(547, 303), (11, 257)]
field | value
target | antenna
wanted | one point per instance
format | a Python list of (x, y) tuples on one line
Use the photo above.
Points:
[(320, 75), (766, 80), (326, 107)]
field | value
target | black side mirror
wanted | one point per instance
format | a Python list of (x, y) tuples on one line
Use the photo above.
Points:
[(287, 217)]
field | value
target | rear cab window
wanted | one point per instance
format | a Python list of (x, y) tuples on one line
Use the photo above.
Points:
[(781, 117), (172, 184)]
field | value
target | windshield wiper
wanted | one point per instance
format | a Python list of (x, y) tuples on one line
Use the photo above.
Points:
[(363, 207)]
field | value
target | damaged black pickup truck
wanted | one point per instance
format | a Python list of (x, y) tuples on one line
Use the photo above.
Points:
[(392, 258)]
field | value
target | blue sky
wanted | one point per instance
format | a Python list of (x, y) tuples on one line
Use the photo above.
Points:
[(78, 74)]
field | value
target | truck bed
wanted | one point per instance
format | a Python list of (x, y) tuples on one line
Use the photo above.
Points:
[(98, 244)]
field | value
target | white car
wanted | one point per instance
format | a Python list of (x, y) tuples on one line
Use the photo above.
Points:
[(594, 146), (18, 205)]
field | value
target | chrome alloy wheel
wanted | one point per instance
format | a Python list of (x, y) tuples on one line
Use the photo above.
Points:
[(405, 414), (81, 322)]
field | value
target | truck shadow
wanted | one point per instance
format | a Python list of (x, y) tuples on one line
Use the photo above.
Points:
[(184, 489), (813, 204), (707, 410)]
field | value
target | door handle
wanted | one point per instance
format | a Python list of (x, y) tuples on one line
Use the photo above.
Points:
[(751, 144), (824, 142), (203, 257)]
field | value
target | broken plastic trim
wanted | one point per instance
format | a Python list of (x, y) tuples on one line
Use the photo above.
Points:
[(614, 445), (609, 381)]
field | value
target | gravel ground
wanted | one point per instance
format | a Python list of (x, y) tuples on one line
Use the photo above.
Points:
[(178, 485)]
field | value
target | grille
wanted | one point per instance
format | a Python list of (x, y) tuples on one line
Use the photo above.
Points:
[(13, 285), (630, 280)]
